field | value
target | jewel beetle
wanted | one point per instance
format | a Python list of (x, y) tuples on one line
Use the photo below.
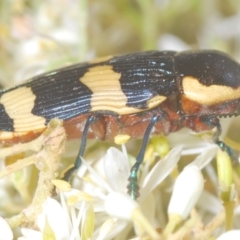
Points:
[(138, 94)]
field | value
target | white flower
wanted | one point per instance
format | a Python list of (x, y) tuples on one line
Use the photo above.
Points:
[(186, 192), (54, 215), (5, 232), (52, 222), (230, 235), (115, 202), (29, 234), (120, 205), (106, 196), (102, 209), (159, 172)]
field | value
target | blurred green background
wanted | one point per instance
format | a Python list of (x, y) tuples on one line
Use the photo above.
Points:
[(36, 36)]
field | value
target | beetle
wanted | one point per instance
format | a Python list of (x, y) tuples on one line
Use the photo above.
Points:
[(138, 94)]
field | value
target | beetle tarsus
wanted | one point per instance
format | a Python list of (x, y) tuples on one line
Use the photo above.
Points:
[(133, 188), (224, 147)]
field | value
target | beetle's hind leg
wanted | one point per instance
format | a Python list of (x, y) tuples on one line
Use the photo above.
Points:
[(82, 148)]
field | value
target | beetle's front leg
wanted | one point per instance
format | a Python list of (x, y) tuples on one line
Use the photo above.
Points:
[(214, 122), (211, 123), (205, 123)]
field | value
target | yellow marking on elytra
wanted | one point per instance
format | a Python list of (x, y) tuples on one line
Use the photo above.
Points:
[(107, 95), (155, 101), (208, 95), (101, 59), (18, 104), (11, 135)]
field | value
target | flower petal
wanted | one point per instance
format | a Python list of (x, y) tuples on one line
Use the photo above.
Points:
[(56, 218), (233, 234), (88, 221), (160, 171), (186, 192), (206, 156), (111, 228), (29, 234), (6, 231), (120, 205), (210, 203), (116, 169)]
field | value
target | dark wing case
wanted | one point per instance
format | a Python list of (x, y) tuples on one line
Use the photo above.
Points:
[(63, 93)]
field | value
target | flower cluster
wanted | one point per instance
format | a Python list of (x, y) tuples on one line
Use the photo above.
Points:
[(103, 210)]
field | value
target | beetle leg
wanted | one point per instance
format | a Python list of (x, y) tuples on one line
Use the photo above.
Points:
[(214, 122), (133, 185), (78, 161), (228, 150)]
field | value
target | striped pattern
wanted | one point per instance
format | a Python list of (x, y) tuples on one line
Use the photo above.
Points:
[(185, 84)]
